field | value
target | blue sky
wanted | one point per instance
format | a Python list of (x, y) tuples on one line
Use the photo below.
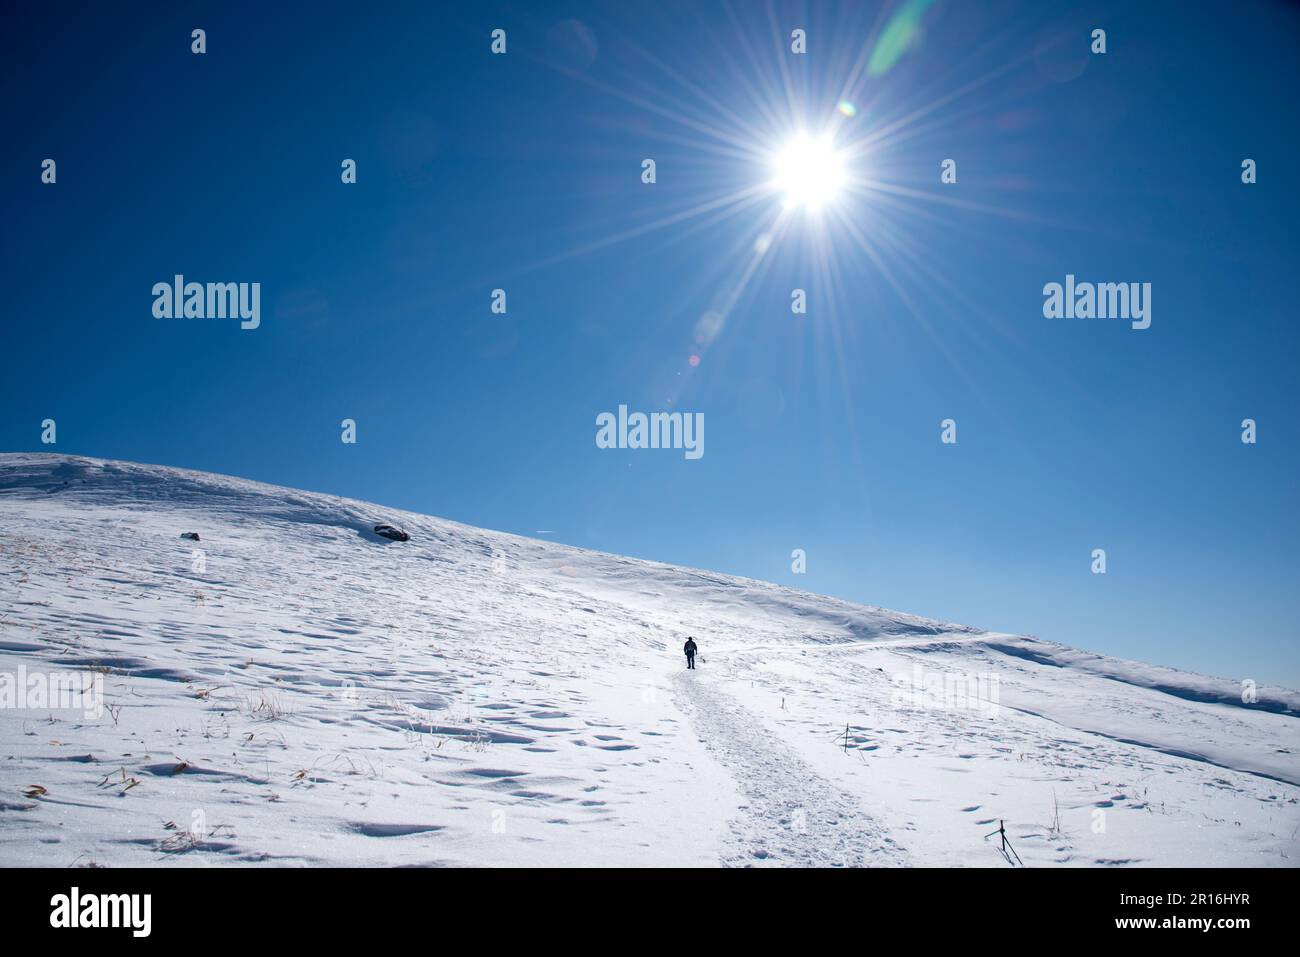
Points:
[(523, 172)]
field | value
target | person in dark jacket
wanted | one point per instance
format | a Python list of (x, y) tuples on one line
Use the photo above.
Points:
[(690, 649)]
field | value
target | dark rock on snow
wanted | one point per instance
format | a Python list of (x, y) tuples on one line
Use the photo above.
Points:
[(192, 536), (389, 531)]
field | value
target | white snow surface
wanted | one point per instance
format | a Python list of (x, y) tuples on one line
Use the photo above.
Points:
[(294, 690)]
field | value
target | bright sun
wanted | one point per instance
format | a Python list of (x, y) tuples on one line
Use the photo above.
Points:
[(809, 172)]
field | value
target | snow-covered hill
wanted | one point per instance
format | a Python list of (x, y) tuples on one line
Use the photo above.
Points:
[(294, 689)]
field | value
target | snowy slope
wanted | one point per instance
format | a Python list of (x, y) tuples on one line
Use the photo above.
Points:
[(307, 692)]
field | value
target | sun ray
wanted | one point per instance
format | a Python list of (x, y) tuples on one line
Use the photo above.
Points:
[(841, 175)]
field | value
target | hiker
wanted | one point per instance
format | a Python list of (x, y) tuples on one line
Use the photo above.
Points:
[(690, 649)]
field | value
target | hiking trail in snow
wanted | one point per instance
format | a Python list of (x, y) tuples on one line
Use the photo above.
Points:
[(791, 816)]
